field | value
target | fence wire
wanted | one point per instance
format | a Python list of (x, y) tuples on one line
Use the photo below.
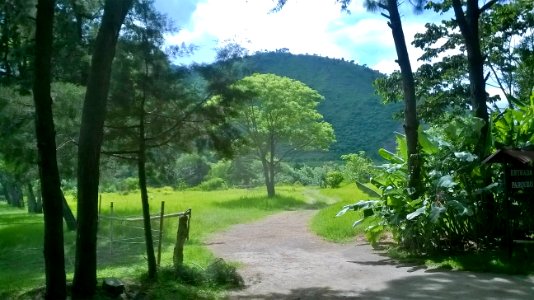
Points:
[(120, 241)]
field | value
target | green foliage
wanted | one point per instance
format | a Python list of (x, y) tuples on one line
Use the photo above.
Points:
[(129, 184), (514, 127), (191, 169), (213, 184), (444, 217), (506, 43), (358, 167), (223, 274), (334, 179), (189, 275), (21, 259), (279, 116), (337, 229), (349, 96), (304, 174)]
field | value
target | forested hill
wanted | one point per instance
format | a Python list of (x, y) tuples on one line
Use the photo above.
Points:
[(360, 120)]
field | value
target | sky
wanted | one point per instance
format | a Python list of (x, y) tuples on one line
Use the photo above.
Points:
[(302, 26)]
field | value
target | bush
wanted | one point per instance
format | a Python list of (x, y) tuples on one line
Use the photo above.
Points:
[(334, 179), (190, 275), (358, 167), (213, 184), (222, 274), (191, 169), (129, 184)]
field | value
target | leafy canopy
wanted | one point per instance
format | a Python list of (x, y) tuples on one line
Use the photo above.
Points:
[(284, 110)]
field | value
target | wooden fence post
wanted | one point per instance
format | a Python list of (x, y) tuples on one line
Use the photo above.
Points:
[(162, 210), (111, 229), (181, 235)]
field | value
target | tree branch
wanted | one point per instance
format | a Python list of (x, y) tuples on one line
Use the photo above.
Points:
[(487, 6), (460, 16)]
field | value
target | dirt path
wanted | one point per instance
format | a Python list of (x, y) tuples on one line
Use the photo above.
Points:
[(282, 259)]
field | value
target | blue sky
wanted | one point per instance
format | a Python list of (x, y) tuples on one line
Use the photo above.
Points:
[(303, 26)]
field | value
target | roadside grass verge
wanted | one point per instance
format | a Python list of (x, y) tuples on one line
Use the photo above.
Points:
[(339, 229), (21, 262), (490, 261)]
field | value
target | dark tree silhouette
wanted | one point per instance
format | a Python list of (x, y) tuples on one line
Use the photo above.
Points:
[(46, 146)]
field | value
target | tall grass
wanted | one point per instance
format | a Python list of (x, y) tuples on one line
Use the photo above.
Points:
[(21, 262), (339, 229)]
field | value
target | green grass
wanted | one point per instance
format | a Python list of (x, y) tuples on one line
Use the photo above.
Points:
[(339, 229), (21, 262), (491, 261)]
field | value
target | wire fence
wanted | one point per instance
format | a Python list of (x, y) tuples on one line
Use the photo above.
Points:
[(122, 238), (120, 241)]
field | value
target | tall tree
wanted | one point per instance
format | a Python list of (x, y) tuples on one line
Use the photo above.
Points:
[(90, 142), (506, 37), (468, 14), (46, 145), (278, 118), (411, 123), (152, 104)]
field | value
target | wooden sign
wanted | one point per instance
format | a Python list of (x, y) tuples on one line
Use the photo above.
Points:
[(520, 180)]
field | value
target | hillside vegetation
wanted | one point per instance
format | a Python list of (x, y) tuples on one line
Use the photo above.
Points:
[(361, 122)]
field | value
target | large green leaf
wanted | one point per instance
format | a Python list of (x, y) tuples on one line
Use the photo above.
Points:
[(446, 182), (427, 145), (389, 156), (402, 146), (465, 156), (417, 213), (435, 212)]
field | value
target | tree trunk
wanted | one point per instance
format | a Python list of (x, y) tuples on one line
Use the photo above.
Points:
[(141, 160), (269, 183), (33, 205), (16, 198), (68, 215), (89, 146), (469, 27), (46, 146), (4, 191), (411, 124)]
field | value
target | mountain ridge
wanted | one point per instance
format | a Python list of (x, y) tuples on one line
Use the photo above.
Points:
[(361, 122)]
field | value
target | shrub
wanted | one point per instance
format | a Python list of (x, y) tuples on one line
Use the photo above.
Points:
[(190, 275), (334, 179), (213, 184), (222, 274), (129, 184)]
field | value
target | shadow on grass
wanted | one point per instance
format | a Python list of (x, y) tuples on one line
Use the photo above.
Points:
[(270, 204)]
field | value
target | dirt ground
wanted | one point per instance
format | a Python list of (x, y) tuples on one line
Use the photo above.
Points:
[(281, 259)]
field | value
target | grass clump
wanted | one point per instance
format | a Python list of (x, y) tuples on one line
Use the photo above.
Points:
[(339, 229), (192, 282)]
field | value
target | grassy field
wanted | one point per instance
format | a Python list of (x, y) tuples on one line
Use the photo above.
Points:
[(121, 244), (21, 263)]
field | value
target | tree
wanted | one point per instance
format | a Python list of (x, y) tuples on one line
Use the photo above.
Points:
[(278, 118), (467, 17), (411, 123), (46, 145), (90, 142), (468, 21)]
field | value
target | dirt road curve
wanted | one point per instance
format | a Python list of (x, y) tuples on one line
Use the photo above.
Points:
[(282, 259)]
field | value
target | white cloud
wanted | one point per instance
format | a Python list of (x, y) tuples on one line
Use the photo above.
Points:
[(302, 26)]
